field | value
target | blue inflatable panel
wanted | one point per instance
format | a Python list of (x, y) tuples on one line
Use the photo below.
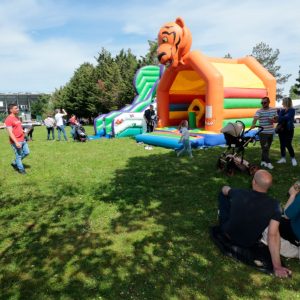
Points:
[(94, 137), (178, 107), (214, 139), (166, 142), (101, 132)]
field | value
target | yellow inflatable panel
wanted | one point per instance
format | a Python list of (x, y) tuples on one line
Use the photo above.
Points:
[(189, 83), (178, 114), (238, 76)]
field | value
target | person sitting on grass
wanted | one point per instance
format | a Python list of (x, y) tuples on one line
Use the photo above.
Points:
[(185, 139), (289, 227), (244, 214)]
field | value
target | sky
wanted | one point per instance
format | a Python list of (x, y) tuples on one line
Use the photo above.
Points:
[(42, 42)]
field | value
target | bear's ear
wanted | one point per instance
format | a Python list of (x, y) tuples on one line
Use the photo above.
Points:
[(180, 22)]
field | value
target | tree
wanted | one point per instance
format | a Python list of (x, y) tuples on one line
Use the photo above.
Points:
[(83, 93), (228, 55), (268, 58), (40, 106), (151, 57), (110, 79), (128, 66), (295, 89)]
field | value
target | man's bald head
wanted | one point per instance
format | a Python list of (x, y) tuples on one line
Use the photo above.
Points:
[(262, 180)]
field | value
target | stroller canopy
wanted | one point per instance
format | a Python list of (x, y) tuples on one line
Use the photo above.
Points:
[(234, 129)]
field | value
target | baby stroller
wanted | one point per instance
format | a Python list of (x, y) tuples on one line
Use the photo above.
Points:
[(79, 133), (233, 158)]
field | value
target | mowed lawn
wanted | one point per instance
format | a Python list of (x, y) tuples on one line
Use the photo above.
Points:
[(108, 219)]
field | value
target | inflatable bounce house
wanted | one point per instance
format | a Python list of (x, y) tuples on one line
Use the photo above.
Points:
[(209, 92), (129, 121)]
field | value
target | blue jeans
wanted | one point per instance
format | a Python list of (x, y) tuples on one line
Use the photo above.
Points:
[(72, 131), (186, 148), (20, 153), (59, 130), (50, 130)]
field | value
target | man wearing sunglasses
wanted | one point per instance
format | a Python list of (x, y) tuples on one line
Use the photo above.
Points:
[(266, 117)]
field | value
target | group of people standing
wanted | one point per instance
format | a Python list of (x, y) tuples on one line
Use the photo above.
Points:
[(58, 122), (267, 116)]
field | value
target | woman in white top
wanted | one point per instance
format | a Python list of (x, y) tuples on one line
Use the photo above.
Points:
[(60, 123)]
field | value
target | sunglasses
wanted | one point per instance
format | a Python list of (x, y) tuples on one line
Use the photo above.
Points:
[(264, 102)]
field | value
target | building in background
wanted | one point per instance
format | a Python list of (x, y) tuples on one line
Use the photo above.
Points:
[(23, 100)]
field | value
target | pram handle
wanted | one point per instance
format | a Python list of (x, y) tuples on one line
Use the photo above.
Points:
[(260, 129)]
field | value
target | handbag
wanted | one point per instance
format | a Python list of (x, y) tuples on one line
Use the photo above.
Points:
[(279, 128)]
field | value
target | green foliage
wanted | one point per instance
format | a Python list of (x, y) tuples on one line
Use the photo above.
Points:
[(2, 116), (228, 55), (292, 94), (116, 221), (295, 89), (40, 106), (268, 58), (151, 57)]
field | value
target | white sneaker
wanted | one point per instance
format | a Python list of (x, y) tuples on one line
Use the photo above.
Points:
[(263, 164), (282, 160), (294, 162), (270, 166)]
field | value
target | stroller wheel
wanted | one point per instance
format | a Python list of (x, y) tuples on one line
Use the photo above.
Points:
[(253, 169), (230, 172), (221, 164)]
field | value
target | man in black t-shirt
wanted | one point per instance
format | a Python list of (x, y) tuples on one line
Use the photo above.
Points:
[(150, 118), (244, 214)]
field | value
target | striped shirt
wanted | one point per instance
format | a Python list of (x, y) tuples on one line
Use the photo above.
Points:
[(264, 118)]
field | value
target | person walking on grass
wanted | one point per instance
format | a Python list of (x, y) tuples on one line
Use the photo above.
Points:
[(16, 137), (185, 139), (286, 117), (266, 117)]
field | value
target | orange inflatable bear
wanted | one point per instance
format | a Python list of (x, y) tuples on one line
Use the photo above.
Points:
[(174, 42)]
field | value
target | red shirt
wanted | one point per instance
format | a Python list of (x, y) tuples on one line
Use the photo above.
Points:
[(73, 121), (17, 130)]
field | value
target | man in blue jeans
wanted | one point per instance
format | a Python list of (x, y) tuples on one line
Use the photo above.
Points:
[(16, 137), (244, 214)]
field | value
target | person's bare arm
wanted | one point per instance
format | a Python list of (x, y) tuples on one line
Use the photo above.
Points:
[(225, 190), (255, 118), (12, 136), (293, 193), (274, 247)]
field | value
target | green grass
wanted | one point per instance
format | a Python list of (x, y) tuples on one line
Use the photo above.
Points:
[(108, 219)]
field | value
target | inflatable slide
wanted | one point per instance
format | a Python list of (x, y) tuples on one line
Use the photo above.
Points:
[(129, 121)]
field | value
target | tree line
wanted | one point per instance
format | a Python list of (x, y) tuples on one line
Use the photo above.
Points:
[(108, 85)]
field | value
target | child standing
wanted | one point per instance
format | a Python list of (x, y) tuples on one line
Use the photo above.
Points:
[(185, 139)]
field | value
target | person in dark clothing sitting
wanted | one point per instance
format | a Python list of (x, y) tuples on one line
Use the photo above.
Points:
[(244, 214), (150, 118)]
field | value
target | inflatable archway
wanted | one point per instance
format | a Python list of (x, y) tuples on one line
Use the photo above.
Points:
[(231, 89)]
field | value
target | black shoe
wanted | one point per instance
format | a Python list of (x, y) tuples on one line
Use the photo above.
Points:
[(14, 166), (23, 172)]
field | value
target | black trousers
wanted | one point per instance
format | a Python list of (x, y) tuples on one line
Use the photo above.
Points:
[(150, 126), (286, 138), (265, 144)]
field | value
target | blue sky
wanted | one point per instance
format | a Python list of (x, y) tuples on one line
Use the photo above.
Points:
[(44, 41)]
